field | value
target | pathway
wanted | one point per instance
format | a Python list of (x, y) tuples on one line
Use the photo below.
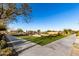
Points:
[(19, 44)]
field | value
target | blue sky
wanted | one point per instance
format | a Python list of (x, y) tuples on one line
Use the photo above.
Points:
[(50, 16)]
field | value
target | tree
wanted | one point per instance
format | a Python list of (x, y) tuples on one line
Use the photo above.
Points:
[(68, 31), (19, 30), (49, 30), (9, 12), (39, 31)]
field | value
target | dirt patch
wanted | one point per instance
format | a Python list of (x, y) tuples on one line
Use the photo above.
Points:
[(75, 51)]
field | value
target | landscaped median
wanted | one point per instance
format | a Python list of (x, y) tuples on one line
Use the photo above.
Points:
[(43, 40)]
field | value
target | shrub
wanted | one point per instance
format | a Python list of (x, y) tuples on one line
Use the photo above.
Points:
[(3, 44), (6, 52), (4, 48)]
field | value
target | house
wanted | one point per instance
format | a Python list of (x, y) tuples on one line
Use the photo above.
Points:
[(52, 32)]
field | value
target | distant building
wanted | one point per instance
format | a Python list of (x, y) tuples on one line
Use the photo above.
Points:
[(32, 33), (36, 35), (52, 32), (44, 35)]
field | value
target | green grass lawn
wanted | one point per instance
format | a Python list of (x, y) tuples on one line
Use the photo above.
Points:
[(42, 40)]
